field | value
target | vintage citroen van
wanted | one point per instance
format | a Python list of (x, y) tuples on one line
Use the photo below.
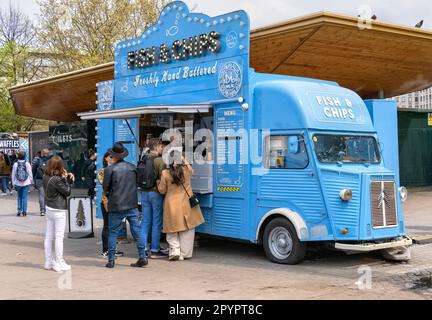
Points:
[(310, 160), (326, 178)]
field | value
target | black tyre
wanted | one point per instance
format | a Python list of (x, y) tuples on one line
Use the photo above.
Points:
[(281, 244)]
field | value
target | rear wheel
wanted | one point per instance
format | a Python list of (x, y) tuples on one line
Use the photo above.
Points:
[(281, 244)]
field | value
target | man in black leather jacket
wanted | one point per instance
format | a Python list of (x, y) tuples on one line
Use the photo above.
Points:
[(120, 186)]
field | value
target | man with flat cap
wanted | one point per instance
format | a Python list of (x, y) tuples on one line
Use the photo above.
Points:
[(120, 186)]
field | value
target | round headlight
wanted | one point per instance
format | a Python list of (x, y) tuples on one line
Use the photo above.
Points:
[(403, 192), (346, 194)]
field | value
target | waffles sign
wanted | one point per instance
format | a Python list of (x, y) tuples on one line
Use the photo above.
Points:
[(9, 144)]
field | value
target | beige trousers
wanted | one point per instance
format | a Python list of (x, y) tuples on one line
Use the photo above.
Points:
[(181, 243)]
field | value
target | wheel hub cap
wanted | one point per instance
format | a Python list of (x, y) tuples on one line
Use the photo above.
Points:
[(280, 243)]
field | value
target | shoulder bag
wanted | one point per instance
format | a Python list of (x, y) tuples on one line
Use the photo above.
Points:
[(193, 200)]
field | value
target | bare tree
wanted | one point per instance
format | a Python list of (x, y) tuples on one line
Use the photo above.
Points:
[(16, 37), (18, 64), (81, 33)]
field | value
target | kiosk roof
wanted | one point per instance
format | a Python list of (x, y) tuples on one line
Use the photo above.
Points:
[(383, 61)]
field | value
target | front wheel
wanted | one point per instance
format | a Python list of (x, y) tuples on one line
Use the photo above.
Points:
[(281, 244)]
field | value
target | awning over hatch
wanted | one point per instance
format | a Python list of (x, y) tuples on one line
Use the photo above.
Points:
[(137, 111), (386, 60)]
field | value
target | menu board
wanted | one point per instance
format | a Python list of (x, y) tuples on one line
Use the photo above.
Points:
[(230, 157)]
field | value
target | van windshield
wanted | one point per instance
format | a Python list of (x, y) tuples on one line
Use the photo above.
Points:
[(346, 149)]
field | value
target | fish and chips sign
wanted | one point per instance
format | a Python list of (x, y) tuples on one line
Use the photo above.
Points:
[(191, 56)]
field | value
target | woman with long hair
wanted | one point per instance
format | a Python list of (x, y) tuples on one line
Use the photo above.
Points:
[(57, 186), (179, 218)]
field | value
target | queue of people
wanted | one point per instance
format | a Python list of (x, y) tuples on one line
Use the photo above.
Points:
[(165, 193)]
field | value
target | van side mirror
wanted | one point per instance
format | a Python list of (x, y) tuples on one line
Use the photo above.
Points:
[(293, 144)]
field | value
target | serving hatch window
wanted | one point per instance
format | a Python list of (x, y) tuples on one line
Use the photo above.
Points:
[(285, 152), (346, 149)]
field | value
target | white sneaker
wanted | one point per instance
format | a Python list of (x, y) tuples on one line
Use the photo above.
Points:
[(64, 266), (174, 258), (60, 266), (56, 267), (48, 265)]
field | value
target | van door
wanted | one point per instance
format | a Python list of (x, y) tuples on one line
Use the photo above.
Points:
[(289, 181)]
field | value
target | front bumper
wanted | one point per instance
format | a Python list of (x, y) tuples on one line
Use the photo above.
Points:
[(371, 246)]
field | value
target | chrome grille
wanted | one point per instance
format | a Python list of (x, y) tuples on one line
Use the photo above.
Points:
[(383, 204)]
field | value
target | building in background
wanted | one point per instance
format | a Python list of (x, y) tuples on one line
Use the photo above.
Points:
[(419, 100), (415, 138)]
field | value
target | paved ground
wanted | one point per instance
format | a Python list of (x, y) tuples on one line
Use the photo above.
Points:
[(219, 269)]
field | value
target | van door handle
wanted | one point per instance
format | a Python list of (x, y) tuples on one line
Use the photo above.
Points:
[(311, 174)]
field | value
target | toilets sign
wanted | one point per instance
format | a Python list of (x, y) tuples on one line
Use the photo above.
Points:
[(184, 52)]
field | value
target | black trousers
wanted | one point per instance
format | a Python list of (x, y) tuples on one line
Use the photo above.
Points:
[(91, 193), (105, 230)]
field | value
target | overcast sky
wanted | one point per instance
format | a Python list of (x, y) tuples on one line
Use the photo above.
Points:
[(265, 12)]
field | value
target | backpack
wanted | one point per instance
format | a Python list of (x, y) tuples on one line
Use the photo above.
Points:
[(21, 173), (43, 163), (35, 165), (146, 178)]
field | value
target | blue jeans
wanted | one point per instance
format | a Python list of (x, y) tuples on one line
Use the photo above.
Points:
[(152, 209), (22, 198), (5, 184), (115, 226), (40, 189)]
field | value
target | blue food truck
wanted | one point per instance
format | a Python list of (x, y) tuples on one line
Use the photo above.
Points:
[(290, 161)]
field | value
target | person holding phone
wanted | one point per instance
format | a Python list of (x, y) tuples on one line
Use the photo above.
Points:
[(57, 185)]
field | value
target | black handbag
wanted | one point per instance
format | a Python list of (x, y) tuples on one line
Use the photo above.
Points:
[(193, 199)]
